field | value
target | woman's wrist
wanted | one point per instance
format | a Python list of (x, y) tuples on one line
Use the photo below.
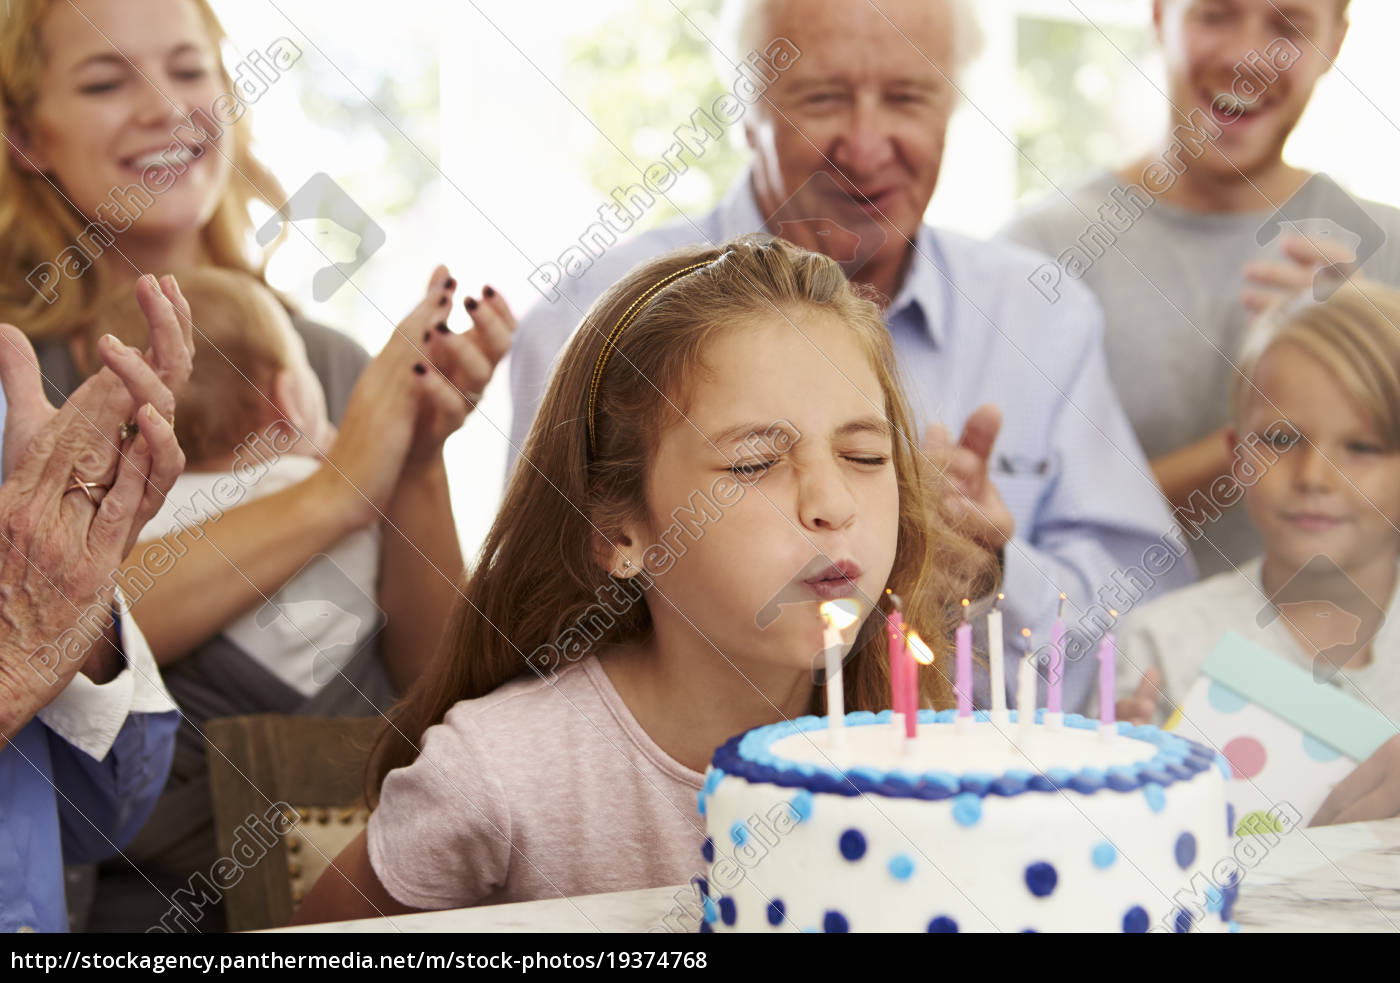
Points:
[(330, 499)]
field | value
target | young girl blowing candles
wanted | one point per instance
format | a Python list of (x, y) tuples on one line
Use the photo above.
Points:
[(722, 448)]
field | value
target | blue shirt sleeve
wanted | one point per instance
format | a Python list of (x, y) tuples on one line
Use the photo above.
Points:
[(103, 804)]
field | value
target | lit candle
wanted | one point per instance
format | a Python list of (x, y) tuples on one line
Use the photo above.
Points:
[(1108, 669), (1025, 692), (922, 656), (998, 663), (899, 673), (1054, 698), (963, 682), (838, 615)]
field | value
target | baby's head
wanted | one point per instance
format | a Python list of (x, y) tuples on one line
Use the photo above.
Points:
[(1317, 400), (250, 368)]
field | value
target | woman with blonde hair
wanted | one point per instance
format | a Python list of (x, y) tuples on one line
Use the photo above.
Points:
[(128, 151)]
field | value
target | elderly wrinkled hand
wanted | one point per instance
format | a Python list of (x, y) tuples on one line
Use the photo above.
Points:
[(963, 475), (81, 481)]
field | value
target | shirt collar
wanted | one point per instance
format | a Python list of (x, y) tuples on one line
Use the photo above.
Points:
[(925, 289)]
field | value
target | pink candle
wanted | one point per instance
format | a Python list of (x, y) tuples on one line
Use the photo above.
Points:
[(899, 675), (911, 690), (1054, 699), (1108, 666), (963, 683)]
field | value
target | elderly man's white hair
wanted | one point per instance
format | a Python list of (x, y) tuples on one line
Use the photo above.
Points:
[(741, 29)]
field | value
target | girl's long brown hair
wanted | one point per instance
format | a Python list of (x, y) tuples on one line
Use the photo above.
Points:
[(537, 573), (37, 223)]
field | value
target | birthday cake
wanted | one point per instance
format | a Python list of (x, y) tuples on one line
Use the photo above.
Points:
[(977, 826)]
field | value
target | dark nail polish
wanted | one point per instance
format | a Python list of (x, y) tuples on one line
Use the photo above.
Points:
[(451, 284), (442, 327), (442, 301), (470, 303), (487, 292), (427, 335), (420, 369)]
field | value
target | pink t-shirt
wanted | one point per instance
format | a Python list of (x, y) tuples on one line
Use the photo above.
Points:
[(536, 791)]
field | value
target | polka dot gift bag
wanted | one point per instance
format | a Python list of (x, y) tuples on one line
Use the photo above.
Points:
[(1288, 738)]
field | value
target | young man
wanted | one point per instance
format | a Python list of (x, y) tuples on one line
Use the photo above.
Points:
[(1185, 245)]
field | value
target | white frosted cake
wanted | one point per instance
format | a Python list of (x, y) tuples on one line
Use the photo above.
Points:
[(966, 829)]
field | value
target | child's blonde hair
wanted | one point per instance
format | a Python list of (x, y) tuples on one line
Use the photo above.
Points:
[(239, 350), (1355, 333), (538, 573)]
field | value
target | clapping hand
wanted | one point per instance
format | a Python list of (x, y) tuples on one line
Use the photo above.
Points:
[(962, 472), (80, 483)]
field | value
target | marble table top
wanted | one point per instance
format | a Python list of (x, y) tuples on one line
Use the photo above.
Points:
[(1329, 879)]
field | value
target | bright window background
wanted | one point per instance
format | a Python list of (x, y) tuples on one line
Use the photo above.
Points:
[(486, 134)]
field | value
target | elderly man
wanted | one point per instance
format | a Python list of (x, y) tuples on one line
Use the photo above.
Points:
[(86, 727), (847, 143)]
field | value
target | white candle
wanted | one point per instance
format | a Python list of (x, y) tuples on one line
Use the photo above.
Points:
[(1025, 693), (997, 657), (837, 615)]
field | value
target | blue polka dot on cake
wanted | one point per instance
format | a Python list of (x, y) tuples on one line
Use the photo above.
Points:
[(835, 923), (852, 844), (1041, 879), (901, 866), (1185, 850), (1156, 797), (777, 911), (942, 925), (967, 809), (728, 913)]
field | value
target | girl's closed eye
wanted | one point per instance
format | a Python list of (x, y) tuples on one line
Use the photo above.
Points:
[(751, 470), (870, 460)]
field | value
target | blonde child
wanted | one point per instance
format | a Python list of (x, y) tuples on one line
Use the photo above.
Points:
[(539, 761), (1317, 401)]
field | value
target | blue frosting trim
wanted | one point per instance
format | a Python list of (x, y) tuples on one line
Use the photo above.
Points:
[(750, 756)]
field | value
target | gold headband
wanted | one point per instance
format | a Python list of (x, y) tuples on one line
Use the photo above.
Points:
[(628, 316)]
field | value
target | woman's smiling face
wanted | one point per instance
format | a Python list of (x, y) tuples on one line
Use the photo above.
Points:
[(785, 431), (120, 80)]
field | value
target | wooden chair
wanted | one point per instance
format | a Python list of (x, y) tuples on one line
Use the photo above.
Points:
[(288, 797)]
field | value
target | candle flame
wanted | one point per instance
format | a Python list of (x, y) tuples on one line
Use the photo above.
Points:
[(965, 603), (1112, 613), (841, 613), (1000, 597), (1026, 634), (919, 649), (1061, 612)]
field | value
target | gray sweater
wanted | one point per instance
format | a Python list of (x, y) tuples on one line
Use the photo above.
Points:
[(1170, 281)]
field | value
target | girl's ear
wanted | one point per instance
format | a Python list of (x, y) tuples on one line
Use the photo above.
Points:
[(615, 553)]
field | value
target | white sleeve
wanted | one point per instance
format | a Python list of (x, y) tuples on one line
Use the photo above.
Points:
[(89, 716)]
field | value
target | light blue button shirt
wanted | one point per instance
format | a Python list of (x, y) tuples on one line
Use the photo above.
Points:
[(60, 803), (969, 329)]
